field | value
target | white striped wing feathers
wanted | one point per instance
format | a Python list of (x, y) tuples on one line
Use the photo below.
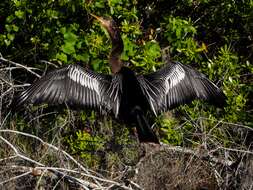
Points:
[(77, 88), (177, 84)]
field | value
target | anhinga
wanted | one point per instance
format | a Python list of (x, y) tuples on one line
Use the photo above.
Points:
[(127, 95)]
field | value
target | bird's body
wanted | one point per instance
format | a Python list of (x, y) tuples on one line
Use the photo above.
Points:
[(134, 105), (127, 95), (132, 96)]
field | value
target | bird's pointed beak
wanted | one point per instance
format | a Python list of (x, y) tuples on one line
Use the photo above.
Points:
[(104, 22), (95, 16)]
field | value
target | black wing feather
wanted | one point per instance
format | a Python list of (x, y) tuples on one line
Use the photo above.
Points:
[(177, 84), (76, 87)]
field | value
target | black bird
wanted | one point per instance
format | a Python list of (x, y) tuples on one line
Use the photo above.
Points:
[(127, 95)]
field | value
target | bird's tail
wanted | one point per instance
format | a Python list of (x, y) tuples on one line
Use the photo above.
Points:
[(144, 131)]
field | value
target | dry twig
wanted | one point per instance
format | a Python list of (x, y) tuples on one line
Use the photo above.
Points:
[(61, 172), (18, 65)]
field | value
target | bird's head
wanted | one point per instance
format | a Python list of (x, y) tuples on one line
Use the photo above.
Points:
[(110, 25), (117, 43)]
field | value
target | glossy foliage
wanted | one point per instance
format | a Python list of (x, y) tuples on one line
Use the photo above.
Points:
[(215, 38)]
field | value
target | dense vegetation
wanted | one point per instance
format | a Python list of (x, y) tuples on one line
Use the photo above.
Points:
[(212, 36)]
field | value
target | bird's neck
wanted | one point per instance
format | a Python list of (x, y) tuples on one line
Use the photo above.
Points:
[(115, 63), (117, 49)]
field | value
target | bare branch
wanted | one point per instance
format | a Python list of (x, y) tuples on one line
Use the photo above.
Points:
[(69, 178), (8, 158), (208, 156), (18, 154), (236, 150), (47, 144), (49, 63), (57, 170), (29, 69), (228, 123), (14, 178)]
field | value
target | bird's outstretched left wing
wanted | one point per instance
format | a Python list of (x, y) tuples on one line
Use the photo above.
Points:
[(76, 87), (177, 84)]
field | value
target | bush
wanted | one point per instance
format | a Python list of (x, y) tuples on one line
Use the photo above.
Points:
[(213, 37)]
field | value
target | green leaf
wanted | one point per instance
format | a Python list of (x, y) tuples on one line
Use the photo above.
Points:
[(99, 4), (20, 14), (8, 27), (70, 37), (10, 18), (10, 36), (17, 3), (152, 49), (83, 57), (15, 28), (68, 48), (62, 57), (96, 64), (7, 42), (63, 30)]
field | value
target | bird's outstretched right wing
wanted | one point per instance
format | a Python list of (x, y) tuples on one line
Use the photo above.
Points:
[(177, 84), (76, 87)]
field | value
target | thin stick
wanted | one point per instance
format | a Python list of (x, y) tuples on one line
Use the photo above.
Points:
[(49, 145), (14, 178), (29, 69), (55, 172)]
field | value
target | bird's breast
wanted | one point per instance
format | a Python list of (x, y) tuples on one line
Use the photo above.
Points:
[(132, 96)]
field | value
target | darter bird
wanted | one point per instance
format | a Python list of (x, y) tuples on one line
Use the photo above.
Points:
[(129, 97)]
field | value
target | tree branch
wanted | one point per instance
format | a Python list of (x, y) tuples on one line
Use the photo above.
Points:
[(59, 172), (29, 69)]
